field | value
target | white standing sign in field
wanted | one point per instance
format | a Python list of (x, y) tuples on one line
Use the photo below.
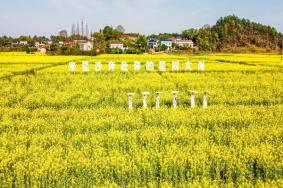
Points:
[(162, 66), (111, 66), (205, 100), (193, 97), (98, 67), (85, 67), (144, 102), (72, 66), (157, 99), (174, 103), (130, 100), (175, 99)]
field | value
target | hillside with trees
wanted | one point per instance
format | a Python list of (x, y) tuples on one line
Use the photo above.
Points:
[(236, 35)]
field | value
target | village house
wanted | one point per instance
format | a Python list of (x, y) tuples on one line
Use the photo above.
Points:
[(167, 43), (86, 46), (15, 43), (41, 47), (64, 43), (131, 36), (38, 44), (80, 41), (118, 45), (42, 50), (152, 43), (186, 43), (23, 42)]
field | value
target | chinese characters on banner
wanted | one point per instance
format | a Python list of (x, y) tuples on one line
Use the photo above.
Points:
[(176, 66)]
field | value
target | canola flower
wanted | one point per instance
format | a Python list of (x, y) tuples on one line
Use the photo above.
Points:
[(59, 129)]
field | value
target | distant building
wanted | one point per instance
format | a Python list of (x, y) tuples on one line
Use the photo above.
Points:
[(119, 45), (131, 36), (80, 41), (61, 43), (63, 33), (152, 43), (167, 43), (186, 43), (15, 43), (23, 42), (49, 42), (86, 46), (42, 50), (174, 40), (38, 45)]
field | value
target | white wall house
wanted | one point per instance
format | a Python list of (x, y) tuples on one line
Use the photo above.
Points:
[(167, 43), (23, 42), (42, 50), (116, 45), (152, 43), (186, 43), (86, 46)]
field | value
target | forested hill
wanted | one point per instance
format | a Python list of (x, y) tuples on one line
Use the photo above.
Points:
[(234, 34)]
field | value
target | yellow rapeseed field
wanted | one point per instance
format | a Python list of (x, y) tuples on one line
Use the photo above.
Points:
[(62, 129)]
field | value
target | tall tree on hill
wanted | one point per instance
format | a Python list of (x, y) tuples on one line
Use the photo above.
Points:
[(120, 29)]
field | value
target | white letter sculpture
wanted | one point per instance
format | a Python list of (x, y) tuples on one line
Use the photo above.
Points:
[(124, 67), (162, 66), (98, 67), (157, 99), (175, 66), (111, 66), (188, 66), (130, 100), (85, 67), (175, 99), (144, 103), (137, 66), (201, 66), (205, 100), (72, 66), (149, 66)]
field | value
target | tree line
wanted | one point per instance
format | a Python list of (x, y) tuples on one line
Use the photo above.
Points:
[(229, 34)]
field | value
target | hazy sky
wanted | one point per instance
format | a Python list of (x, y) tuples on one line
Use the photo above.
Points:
[(47, 17)]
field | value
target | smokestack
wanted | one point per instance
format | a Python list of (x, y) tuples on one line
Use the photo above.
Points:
[(82, 25), (73, 29), (78, 28), (86, 31)]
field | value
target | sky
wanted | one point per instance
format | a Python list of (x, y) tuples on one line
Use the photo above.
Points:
[(48, 17)]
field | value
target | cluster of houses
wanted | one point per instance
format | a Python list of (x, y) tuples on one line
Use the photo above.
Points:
[(155, 43), (87, 45)]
